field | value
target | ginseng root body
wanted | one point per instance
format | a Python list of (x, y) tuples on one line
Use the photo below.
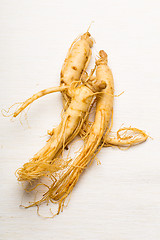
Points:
[(97, 136), (75, 64), (71, 123)]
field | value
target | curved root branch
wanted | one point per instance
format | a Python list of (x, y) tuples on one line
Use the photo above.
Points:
[(126, 137), (38, 95)]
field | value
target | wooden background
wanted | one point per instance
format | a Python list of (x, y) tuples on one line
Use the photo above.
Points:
[(120, 199)]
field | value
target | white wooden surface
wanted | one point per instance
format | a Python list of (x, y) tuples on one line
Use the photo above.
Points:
[(120, 199)]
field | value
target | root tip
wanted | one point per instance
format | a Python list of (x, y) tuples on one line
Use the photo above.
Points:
[(103, 54)]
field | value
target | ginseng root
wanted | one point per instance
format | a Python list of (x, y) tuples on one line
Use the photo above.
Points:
[(75, 64), (126, 137), (97, 137), (69, 127)]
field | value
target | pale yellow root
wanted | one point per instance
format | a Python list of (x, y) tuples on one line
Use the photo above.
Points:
[(71, 123), (36, 96), (126, 137), (63, 185), (75, 64), (61, 188)]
